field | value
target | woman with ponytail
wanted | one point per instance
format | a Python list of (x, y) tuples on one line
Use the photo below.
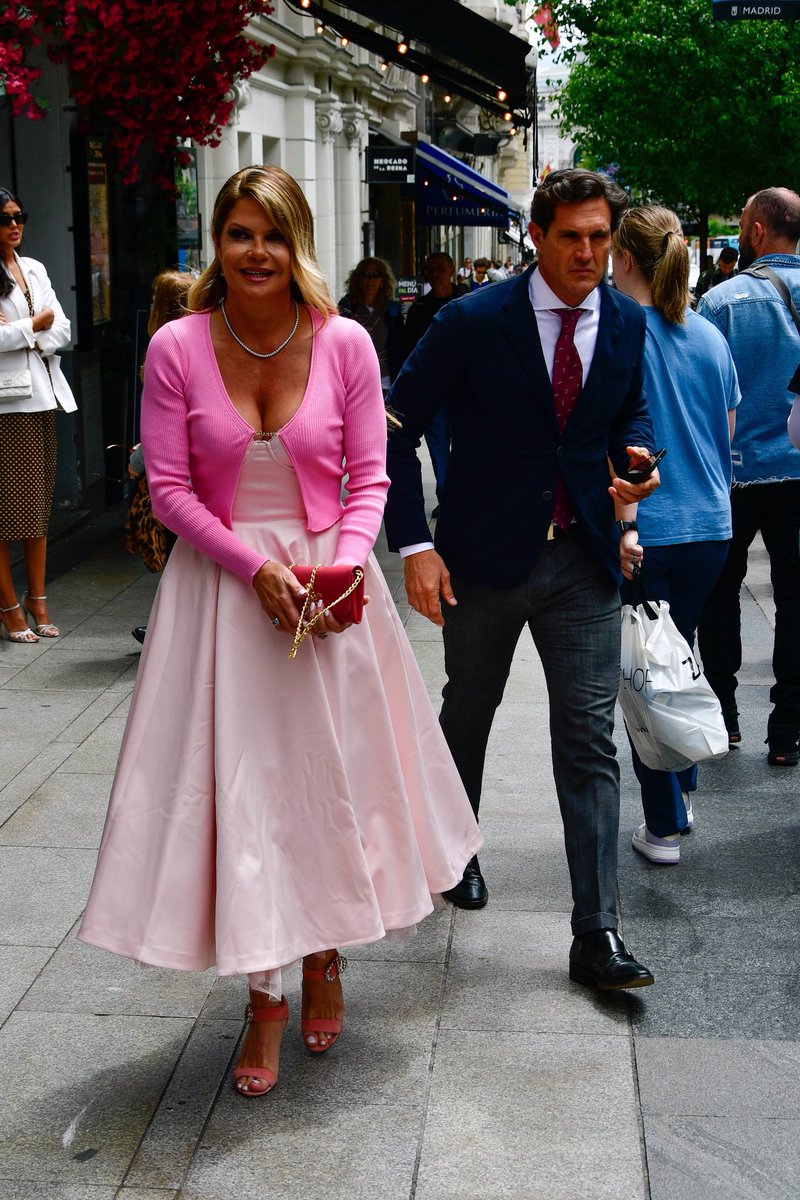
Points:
[(692, 392)]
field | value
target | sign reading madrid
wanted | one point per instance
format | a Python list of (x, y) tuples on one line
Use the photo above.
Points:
[(735, 10)]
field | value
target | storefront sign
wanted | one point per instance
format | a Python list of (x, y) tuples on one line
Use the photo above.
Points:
[(99, 238), (408, 290), (391, 164)]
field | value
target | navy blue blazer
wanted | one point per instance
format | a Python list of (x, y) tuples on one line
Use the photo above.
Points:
[(483, 359)]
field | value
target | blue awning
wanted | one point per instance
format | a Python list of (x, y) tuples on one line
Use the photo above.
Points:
[(451, 193)]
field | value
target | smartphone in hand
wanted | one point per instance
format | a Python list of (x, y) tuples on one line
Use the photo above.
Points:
[(643, 470)]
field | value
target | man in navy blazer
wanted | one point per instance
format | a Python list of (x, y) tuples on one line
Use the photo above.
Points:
[(526, 531)]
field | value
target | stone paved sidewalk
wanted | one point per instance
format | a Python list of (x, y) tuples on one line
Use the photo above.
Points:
[(470, 1065)]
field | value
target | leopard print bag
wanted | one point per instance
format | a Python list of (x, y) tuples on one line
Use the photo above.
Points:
[(144, 533)]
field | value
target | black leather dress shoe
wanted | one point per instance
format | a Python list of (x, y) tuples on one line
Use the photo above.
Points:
[(139, 633), (600, 960), (472, 891)]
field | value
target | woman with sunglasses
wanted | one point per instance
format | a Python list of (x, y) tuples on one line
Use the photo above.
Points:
[(370, 301), (32, 329)]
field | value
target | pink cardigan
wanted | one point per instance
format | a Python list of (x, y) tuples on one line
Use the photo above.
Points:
[(195, 440)]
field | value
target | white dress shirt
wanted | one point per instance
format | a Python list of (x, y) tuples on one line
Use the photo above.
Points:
[(543, 300)]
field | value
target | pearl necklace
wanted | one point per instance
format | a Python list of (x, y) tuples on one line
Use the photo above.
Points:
[(255, 353)]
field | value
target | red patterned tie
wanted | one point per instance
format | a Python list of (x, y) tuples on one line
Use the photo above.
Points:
[(567, 383)]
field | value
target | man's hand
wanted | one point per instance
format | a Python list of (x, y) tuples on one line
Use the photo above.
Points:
[(630, 493), (631, 554), (427, 578)]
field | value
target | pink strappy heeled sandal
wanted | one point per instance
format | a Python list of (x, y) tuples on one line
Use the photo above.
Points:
[(333, 968), (275, 1012)]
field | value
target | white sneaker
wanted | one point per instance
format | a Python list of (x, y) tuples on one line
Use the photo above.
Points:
[(666, 851), (687, 801)]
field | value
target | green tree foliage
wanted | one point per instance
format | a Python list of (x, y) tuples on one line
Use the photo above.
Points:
[(695, 113)]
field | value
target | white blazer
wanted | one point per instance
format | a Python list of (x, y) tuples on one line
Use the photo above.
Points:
[(20, 347)]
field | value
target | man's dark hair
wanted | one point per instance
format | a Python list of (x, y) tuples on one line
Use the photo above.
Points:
[(481, 262), (440, 254), (728, 255), (571, 186), (778, 209)]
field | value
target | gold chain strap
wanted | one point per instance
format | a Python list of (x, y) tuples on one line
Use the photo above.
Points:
[(32, 314), (313, 597)]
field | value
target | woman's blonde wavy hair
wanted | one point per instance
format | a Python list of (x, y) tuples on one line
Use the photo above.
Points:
[(653, 237), (282, 200)]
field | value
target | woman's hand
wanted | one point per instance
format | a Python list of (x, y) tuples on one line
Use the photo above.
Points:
[(43, 320), (631, 554), (280, 594), (328, 624)]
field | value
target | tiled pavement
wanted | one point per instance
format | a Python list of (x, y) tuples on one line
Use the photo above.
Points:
[(470, 1065)]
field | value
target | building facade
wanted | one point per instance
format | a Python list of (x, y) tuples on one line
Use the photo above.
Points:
[(317, 108)]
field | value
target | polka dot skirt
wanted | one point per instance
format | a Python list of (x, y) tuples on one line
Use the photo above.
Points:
[(27, 473)]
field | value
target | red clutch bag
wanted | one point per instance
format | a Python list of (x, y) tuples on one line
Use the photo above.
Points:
[(340, 590)]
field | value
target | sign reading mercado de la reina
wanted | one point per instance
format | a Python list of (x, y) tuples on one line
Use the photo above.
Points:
[(392, 164), (744, 10)]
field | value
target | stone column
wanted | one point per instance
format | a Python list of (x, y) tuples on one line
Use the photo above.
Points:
[(300, 129), (329, 127), (349, 186), (217, 164)]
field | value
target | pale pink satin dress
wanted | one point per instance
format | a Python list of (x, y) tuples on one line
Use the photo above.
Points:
[(264, 809)]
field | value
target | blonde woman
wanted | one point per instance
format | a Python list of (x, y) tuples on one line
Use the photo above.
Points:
[(692, 393), (268, 811), (370, 301)]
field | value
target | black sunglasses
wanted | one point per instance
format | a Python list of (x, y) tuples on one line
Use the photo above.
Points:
[(19, 218), (372, 275)]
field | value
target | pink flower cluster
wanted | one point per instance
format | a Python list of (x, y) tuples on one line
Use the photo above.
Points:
[(148, 71), (17, 36)]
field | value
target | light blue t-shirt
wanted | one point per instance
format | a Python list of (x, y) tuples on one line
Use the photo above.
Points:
[(691, 384)]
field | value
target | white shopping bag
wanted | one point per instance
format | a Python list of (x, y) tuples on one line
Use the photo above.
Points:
[(672, 716)]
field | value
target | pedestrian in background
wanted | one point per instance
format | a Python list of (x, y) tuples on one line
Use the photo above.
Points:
[(495, 273), (692, 394), (168, 303), (705, 279), (465, 271), (33, 327), (438, 273), (370, 300), (543, 378), (266, 811), (480, 276), (753, 316), (726, 265)]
